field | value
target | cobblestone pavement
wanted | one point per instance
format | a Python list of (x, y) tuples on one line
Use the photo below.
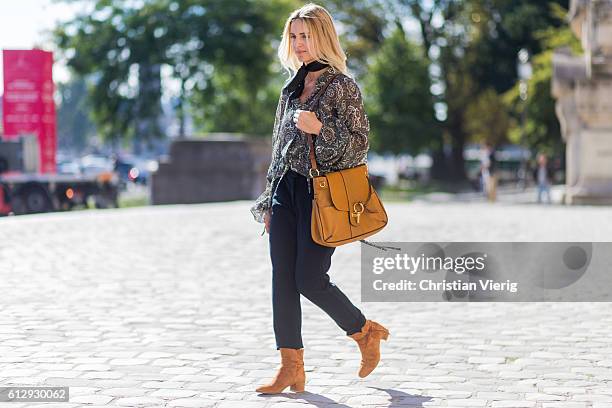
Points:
[(170, 307)]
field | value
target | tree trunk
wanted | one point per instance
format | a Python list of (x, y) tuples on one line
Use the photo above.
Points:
[(439, 168), (148, 106), (457, 161)]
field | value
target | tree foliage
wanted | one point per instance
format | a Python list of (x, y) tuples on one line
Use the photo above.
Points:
[(474, 45), (398, 98), (541, 128), (487, 119), (124, 47), (74, 125)]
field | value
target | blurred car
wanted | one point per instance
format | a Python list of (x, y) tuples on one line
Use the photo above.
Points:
[(68, 167), (133, 169), (144, 169), (93, 164), (125, 170)]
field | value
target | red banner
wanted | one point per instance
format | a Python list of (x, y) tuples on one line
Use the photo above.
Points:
[(28, 106)]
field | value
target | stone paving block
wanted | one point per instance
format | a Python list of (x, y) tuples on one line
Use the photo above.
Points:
[(172, 393), (470, 402), (241, 404), (513, 404), (138, 402), (163, 384), (191, 403), (123, 392), (92, 399), (540, 396)]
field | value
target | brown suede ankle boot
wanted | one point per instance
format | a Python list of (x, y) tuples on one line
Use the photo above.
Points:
[(290, 374), (368, 340)]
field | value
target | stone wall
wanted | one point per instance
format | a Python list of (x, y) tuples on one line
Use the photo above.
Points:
[(219, 167)]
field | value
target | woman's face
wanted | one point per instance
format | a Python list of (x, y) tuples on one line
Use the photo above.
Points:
[(298, 36)]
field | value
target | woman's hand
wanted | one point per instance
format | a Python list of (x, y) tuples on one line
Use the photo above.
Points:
[(267, 216), (307, 121)]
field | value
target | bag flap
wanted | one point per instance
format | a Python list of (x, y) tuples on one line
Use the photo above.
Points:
[(343, 197)]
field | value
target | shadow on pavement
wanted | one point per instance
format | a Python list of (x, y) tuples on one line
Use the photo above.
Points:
[(397, 399), (316, 400), (402, 399)]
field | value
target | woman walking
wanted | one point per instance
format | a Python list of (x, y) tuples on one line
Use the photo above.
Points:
[(322, 100)]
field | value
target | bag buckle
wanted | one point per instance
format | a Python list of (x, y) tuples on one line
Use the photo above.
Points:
[(310, 173), (357, 213)]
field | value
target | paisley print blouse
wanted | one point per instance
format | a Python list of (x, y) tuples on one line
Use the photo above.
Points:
[(342, 142)]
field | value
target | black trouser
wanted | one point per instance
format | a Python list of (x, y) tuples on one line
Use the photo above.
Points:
[(299, 266)]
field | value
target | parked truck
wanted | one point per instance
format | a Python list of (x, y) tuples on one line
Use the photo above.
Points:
[(24, 190), (29, 181)]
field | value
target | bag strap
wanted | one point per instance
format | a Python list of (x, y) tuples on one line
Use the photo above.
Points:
[(313, 161)]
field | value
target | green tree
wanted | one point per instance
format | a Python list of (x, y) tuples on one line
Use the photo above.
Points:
[(473, 46), (74, 127), (487, 119), (240, 89), (361, 28), (233, 102), (124, 48), (541, 130), (398, 99)]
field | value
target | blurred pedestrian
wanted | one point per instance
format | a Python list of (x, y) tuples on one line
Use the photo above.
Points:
[(484, 169), (543, 177), (488, 167)]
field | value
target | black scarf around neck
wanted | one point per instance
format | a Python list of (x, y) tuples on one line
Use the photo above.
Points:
[(296, 86)]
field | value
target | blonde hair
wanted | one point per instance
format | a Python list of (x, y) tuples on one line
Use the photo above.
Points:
[(323, 43)]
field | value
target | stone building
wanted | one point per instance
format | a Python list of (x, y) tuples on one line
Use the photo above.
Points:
[(582, 86)]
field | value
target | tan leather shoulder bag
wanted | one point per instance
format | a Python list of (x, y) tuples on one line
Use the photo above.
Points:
[(345, 206)]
